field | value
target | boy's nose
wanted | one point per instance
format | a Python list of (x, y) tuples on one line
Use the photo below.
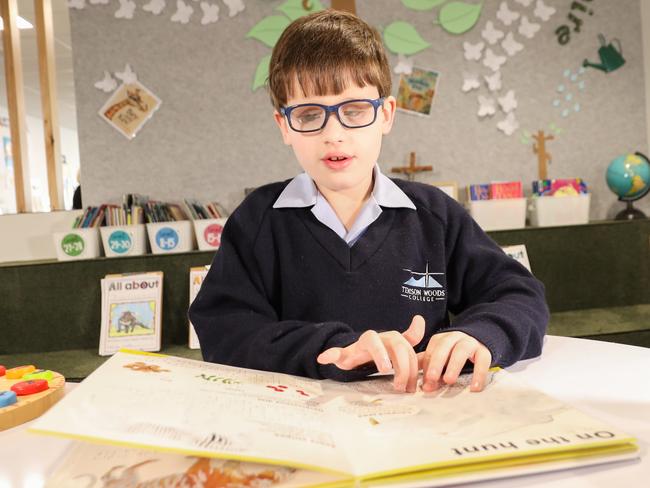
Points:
[(333, 129)]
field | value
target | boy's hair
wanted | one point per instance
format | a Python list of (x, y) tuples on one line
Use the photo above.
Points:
[(324, 52)]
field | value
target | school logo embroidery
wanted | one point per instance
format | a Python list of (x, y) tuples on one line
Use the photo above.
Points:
[(423, 287)]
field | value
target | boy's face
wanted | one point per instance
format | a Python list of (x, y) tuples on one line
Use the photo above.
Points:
[(359, 147)]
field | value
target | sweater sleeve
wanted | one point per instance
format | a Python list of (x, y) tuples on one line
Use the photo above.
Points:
[(493, 297), (237, 324)]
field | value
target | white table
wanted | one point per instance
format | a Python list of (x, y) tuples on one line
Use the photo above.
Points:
[(609, 381)]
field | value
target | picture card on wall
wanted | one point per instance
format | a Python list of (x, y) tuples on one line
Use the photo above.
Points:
[(416, 91), (129, 108)]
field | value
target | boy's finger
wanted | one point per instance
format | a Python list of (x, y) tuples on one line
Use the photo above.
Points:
[(399, 355), (482, 361), (329, 356), (412, 383), (460, 353), (374, 346), (438, 351), (415, 332)]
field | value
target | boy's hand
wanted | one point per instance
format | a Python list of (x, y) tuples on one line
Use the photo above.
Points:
[(453, 349), (388, 350)]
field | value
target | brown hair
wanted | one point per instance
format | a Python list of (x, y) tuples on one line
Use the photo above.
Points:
[(323, 52)]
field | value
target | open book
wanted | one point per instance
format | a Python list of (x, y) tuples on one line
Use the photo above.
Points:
[(363, 432)]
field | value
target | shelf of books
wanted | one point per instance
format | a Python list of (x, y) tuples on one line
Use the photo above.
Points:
[(139, 226)]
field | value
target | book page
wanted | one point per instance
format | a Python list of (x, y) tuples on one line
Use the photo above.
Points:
[(202, 409), (100, 466)]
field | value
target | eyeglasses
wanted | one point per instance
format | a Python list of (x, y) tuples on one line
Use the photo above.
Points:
[(312, 117)]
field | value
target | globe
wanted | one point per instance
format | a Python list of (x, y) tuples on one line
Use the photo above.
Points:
[(628, 176)]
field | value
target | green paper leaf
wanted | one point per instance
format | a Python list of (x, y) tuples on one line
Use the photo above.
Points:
[(402, 38), (422, 4), (459, 17), (293, 8), (269, 29), (262, 72)]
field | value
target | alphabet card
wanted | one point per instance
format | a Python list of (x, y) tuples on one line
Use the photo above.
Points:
[(129, 108), (131, 312)]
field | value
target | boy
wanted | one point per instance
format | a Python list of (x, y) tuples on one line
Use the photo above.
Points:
[(342, 272)]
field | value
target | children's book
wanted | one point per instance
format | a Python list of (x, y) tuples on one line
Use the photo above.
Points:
[(506, 189), (131, 312), (362, 432), (518, 253), (197, 275)]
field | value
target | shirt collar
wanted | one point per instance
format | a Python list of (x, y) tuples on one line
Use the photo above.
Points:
[(302, 192)]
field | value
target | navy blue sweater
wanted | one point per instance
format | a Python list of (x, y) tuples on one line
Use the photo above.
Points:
[(284, 287)]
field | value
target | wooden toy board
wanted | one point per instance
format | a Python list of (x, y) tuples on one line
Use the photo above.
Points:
[(29, 407)]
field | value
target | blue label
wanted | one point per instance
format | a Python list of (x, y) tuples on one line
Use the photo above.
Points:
[(167, 238), (119, 242)]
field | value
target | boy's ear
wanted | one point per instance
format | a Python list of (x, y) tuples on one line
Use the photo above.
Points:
[(284, 127), (388, 109)]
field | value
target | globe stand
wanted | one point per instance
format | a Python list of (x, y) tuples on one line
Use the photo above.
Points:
[(630, 213)]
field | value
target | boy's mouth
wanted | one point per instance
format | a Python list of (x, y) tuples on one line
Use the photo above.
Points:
[(337, 161)]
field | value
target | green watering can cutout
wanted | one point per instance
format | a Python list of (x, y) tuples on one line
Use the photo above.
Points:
[(610, 58)]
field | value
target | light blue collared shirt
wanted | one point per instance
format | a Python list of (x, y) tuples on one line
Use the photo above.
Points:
[(302, 192)]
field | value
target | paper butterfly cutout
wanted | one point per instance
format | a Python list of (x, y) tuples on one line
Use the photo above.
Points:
[(528, 29), (154, 6), (78, 4), (108, 84), (127, 76), (525, 3), (493, 61), (127, 7), (508, 102), (493, 81), (508, 125), (490, 33), (470, 82), (404, 65), (235, 7), (183, 12), (210, 13), (543, 11), (506, 15), (487, 106), (473, 52), (511, 46)]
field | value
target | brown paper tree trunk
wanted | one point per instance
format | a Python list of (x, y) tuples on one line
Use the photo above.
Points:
[(345, 5)]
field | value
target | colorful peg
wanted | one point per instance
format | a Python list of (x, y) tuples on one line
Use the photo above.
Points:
[(19, 371), (7, 398), (29, 387), (2, 370), (39, 374)]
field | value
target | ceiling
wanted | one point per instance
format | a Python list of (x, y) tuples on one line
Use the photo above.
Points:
[(63, 55)]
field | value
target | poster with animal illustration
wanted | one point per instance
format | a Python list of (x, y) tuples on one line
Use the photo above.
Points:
[(131, 312), (129, 108)]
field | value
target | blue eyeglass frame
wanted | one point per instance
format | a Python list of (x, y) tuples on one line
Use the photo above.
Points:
[(329, 109)]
